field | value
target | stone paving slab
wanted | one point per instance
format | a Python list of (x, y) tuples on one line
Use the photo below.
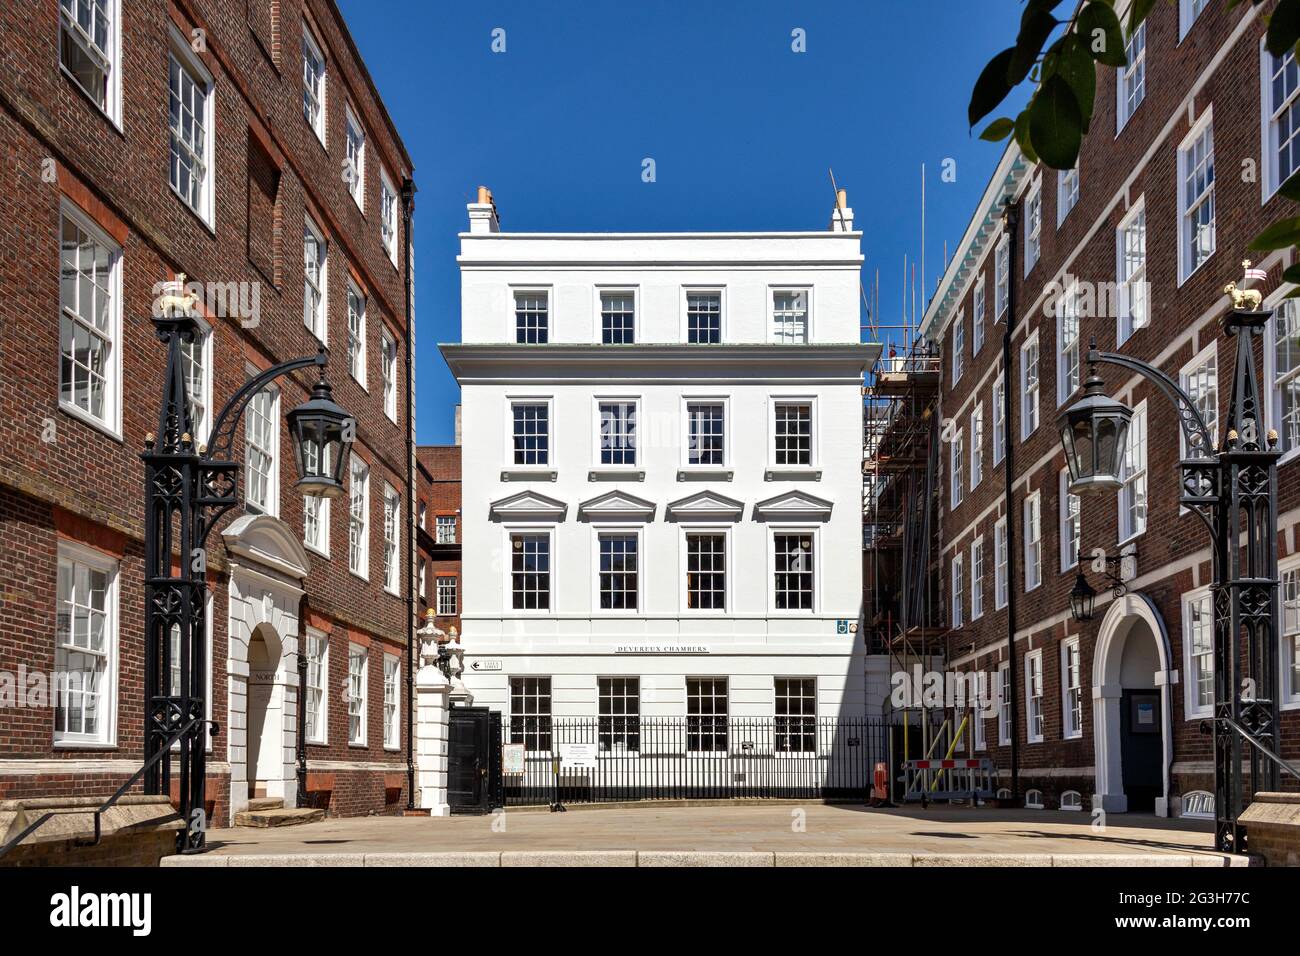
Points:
[(808, 834)]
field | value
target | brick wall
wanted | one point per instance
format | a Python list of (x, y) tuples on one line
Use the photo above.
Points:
[(1115, 173), (438, 488), (270, 172)]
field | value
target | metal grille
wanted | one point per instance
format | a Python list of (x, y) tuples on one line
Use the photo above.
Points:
[(828, 758)]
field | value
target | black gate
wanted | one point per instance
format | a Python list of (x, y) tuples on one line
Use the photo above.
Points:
[(604, 759), (473, 760)]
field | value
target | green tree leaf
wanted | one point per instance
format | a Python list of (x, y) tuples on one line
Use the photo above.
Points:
[(1280, 235), (1292, 275), (1056, 124), (1035, 27), (991, 88), (1283, 27), (1022, 136), (1075, 66), (998, 130), (1099, 29), (1291, 188), (1138, 13)]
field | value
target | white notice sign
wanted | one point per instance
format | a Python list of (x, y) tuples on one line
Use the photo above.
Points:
[(577, 756)]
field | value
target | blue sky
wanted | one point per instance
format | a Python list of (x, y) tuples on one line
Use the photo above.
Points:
[(741, 128)]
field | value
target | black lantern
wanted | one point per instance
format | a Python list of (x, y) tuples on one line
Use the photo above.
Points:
[(1094, 431), (322, 434), (1083, 599)]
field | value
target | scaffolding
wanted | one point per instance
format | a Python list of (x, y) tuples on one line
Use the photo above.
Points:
[(900, 540)]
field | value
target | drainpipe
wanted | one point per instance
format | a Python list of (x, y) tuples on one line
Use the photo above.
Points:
[(1011, 217), (408, 205), (301, 800)]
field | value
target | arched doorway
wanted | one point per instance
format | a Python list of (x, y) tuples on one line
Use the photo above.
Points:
[(267, 567), (266, 705), (1132, 724)]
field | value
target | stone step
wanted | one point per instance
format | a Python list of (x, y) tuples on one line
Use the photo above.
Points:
[(265, 803), (278, 817)]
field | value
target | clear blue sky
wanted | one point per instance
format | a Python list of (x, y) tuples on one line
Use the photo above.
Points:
[(741, 128)]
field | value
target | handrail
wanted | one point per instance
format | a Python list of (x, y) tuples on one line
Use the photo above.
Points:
[(1260, 747), (121, 791)]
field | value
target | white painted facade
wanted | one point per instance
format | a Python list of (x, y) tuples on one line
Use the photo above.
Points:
[(572, 498)]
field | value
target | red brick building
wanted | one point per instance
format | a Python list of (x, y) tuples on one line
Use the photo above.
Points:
[(439, 534), (1133, 248), (245, 146)]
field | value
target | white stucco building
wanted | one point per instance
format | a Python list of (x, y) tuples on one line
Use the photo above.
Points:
[(662, 441)]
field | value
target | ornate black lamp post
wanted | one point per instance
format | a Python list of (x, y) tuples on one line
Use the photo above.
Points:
[(1234, 491), (188, 488)]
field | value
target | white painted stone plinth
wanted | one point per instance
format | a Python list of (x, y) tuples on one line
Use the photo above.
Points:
[(432, 692)]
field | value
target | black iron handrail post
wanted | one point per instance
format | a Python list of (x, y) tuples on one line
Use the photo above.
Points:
[(1235, 494), (188, 488)]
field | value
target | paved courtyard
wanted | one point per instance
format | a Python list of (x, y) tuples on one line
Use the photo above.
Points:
[(955, 834)]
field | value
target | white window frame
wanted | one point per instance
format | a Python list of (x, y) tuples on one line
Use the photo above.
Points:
[(1134, 291), (392, 540), (1131, 77), (1067, 193), (1129, 530), (632, 292), (1188, 13), (355, 133), (1186, 268), (1034, 696), (1033, 540), (320, 545), (1068, 348), (389, 219), (111, 423), (1289, 605), (957, 470), (509, 455), (317, 320), (684, 305), (388, 371), (959, 347), (787, 529), (979, 305), (272, 505), (686, 403), (310, 47), (356, 355), (454, 592), (1269, 113), (1069, 522), (1033, 205), (392, 702), (1001, 565), (362, 682), (111, 57), (1071, 724), (1192, 708), (598, 431), (976, 445), (1273, 389), (525, 291), (999, 418), (958, 589), (617, 530), (1030, 390), (977, 578), (203, 342), (814, 456), (359, 524), (181, 51), (437, 529), (507, 567), (1004, 704), (773, 292), (319, 732), (1002, 278), (1188, 376), (979, 734), (73, 553), (729, 570)]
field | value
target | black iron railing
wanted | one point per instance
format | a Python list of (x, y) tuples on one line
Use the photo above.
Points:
[(625, 758)]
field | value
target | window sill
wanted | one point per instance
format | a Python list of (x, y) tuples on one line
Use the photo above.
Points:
[(114, 121), (100, 745), (312, 549), (360, 575), (612, 473), (353, 746), (89, 419), (696, 473), (1203, 714), (792, 473), (317, 743), (204, 218), (529, 474), (1034, 740)]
